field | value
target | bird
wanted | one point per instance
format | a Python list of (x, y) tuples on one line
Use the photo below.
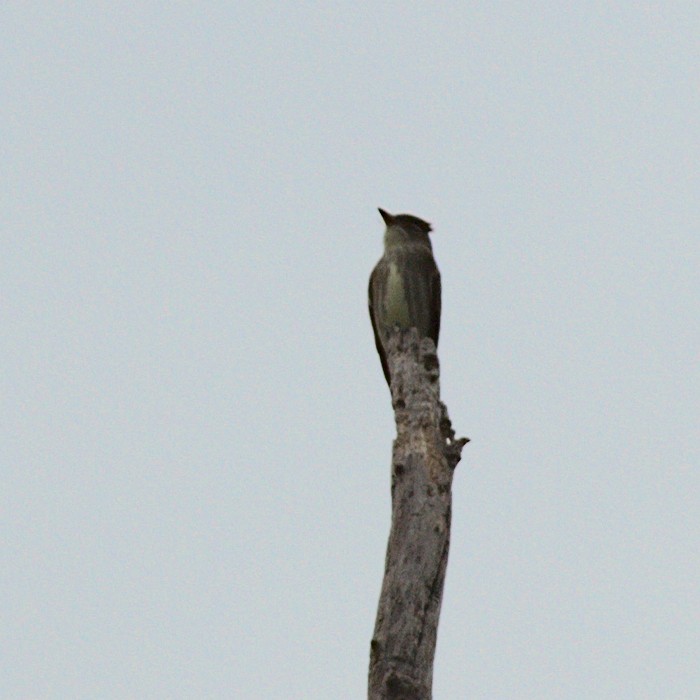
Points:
[(404, 287)]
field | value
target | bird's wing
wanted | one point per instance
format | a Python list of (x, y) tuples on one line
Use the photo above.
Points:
[(436, 295), (376, 280), (424, 293)]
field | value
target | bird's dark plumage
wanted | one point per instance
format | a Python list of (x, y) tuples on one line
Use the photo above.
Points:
[(404, 288)]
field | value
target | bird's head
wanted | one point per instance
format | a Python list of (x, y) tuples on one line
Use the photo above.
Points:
[(405, 228)]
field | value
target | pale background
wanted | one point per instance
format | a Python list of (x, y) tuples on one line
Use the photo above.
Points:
[(196, 432)]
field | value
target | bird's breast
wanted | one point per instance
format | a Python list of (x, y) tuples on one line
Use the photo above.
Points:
[(396, 301)]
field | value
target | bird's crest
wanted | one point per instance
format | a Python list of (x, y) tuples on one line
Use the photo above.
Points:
[(405, 220)]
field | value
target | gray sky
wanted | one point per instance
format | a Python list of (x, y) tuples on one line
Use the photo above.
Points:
[(196, 430)]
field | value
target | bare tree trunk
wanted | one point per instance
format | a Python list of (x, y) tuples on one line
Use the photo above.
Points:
[(424, 456)]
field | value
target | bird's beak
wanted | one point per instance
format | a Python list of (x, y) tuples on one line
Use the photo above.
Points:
[(388, 218)]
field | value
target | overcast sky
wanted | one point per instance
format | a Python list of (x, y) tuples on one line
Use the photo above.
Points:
[(196, 432)]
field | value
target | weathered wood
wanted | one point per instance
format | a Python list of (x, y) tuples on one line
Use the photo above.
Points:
[(425, 454)]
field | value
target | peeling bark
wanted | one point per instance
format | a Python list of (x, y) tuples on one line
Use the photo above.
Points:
[(425, 454)]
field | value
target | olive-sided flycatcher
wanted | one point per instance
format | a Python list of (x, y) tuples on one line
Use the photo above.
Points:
[(404, 288)]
